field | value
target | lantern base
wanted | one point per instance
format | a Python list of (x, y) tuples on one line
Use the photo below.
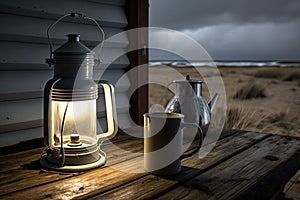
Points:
[(44, 161)]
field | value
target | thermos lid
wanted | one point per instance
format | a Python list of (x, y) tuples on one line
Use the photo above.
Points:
[(195, 85), (189, 80)]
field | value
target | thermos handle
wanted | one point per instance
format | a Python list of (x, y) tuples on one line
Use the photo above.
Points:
[(111, 113), (200, 133)]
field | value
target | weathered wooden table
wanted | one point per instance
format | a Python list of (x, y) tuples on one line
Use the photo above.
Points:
[(242, 165)]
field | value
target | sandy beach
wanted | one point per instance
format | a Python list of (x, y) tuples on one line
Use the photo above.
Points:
[(263, 99)]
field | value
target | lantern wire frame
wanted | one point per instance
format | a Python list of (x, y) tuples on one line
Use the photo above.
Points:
[(62, 151), (76, 15)]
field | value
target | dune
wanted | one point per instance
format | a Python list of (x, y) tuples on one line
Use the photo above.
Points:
[(263, 99)]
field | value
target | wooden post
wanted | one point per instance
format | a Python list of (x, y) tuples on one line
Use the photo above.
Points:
[(138, 15)]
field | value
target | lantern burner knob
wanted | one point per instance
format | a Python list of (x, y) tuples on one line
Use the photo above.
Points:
[(74, 140)]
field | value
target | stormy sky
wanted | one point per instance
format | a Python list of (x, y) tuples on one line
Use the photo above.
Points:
[(234, 29)]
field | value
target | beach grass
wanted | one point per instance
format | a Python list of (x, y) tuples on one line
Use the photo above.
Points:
[(270, 73), (295, 76), (251, 90), (255, 102)]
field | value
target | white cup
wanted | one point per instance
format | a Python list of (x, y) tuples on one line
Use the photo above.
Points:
[(163, 141)]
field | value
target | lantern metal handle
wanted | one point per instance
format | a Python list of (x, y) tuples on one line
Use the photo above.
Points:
[(74, 15), (111, 113)]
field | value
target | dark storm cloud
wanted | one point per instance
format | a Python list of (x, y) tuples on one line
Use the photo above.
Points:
[(261, 41), (235, 29), (189, 14)]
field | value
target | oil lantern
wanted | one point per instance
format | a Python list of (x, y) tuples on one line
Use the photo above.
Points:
[(70, 113)]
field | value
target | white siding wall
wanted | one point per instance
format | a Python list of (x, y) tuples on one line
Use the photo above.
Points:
[(24, 47)]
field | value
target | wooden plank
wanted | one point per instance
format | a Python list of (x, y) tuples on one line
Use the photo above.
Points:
[(113, 56), (27, 84), (24, 67), (124, 121), (101, 179), (35, 31), (193, 166), (118, 78), (265, 189), (39, 67), (22, 146), (90, 183), (8, 127), (30, 175), (22, 53), (14, 137), (106, 15), (114, 2), (249, 175), (13, 160), (119, 63), (35, 54), (21, 95), (23, 84), (24, 114), (17, 160), (121, 102)]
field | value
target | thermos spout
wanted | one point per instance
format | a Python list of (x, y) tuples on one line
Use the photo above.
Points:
[(212, 102)]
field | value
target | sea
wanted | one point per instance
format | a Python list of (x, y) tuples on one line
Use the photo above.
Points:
[(182, 63)]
